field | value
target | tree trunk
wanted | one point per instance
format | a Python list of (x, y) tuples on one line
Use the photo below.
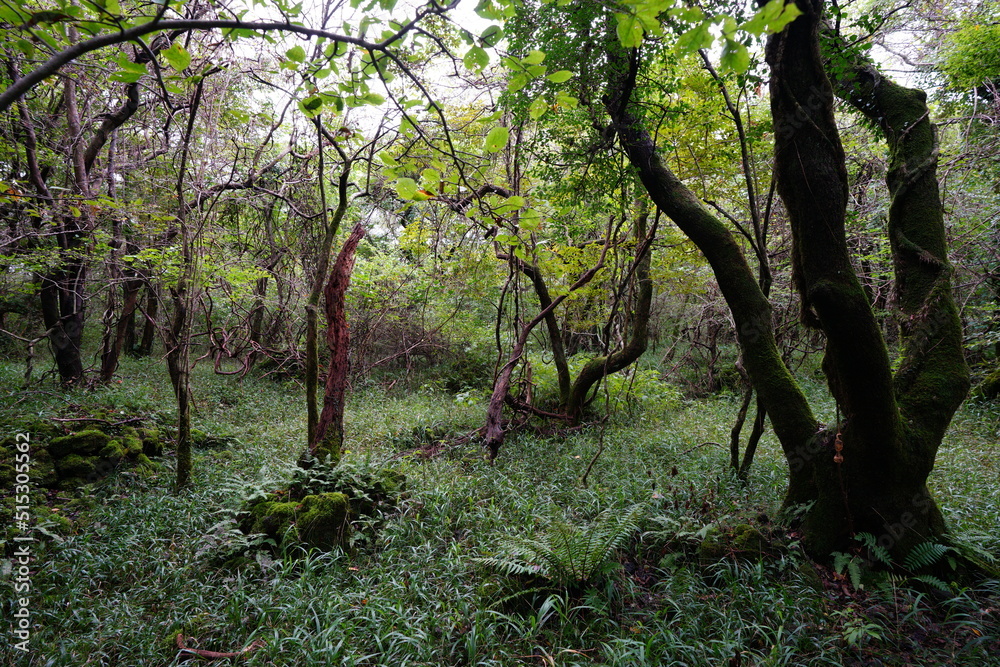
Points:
[(892, 424), (330, 228), (329, 438), (599, 368), (145, 347), (791, 416)]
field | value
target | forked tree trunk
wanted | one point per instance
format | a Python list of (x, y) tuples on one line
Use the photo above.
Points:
[(893, 423)]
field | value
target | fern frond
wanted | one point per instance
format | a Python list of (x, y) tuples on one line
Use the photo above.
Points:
[(877, 551), (931, 580), (567, 555), (924, 555)]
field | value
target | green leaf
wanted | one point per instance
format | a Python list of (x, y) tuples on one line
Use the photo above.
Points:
[(530, 220), (406, 188), (491, 36), (562, 76), (538, 108), (629, 30), (497, 138), (735, 57), (511, 204), (125, 76), (296, 54), (698, 37), (177, 57), (26, 47), (534, 57), (476, 58), (311, 106), (517, 82), (566, 101)]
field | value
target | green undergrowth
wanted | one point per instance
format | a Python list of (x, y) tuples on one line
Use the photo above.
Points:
[(703, 572)]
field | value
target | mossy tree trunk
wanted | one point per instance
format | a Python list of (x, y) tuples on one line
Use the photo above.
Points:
[(892, 422)]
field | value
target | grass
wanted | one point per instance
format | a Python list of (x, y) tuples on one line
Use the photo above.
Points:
[(137, 569)]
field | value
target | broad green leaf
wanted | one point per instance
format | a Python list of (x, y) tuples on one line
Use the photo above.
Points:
[(497, 138), (566, 101), (296, 54), (177, 56), (476, 58), (491, 36), (406, 188), (311, 106), (696, 38), (511, 204), (430, 179), (374, 99), (629, 30), (735, 57), (26, 47), (534, 57), (530, 220), (538, 108), (488, 10), (562, 76), (517, 82)]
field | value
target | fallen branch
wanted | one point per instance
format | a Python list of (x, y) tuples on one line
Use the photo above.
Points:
[(215, 655)]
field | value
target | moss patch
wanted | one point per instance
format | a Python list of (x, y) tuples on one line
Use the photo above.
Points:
[(83, 443), (324, 520)]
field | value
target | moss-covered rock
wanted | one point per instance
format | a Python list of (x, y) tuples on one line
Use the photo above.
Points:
[(114, 451), (76, 465), (53, 521), (152, 441), (43, 468), (323, 522), (712, 549), (749, 540), (271, 517), (82, 443)]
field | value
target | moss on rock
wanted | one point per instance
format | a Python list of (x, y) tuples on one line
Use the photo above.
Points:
[(272, 518), (82, 443), (324, 520), (75, 465), (749, 540), (152, 441)]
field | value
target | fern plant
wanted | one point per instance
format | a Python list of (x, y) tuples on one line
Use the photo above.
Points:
[(568, 556), (920, 557)]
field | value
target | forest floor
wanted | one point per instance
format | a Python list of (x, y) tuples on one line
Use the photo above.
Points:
[(707, 573)]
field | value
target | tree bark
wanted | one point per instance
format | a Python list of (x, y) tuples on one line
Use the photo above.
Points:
[(330, 227), (329, 438), (892, 424)]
